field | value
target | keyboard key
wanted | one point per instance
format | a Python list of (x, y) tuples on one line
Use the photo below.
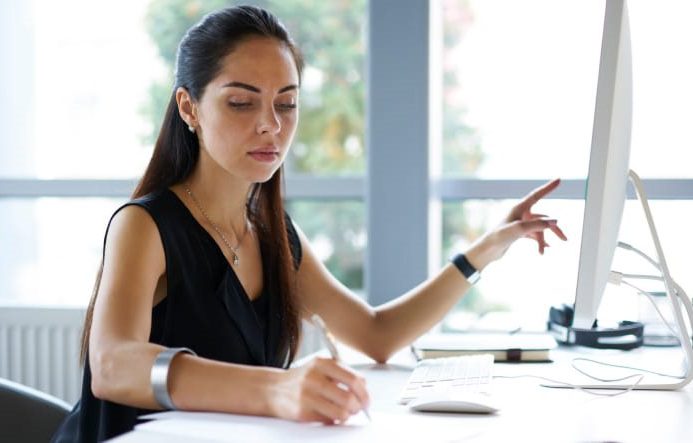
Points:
[(469, 373)]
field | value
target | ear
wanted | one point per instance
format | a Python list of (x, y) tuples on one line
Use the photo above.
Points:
[(186, 107)]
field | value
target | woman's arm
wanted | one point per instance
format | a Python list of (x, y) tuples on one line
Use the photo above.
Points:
[(121, 357), (379, 332), (119, 353)]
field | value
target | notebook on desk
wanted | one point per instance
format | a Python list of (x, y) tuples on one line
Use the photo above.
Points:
[(528, 347)]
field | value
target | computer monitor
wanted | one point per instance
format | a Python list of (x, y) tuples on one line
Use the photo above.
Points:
[(607, 178)]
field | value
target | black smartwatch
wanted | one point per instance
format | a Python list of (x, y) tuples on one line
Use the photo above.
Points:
[(470, 272)]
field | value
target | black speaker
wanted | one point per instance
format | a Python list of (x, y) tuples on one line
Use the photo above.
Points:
[(627, 335)]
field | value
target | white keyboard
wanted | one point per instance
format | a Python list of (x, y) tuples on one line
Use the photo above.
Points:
[(468, 373)]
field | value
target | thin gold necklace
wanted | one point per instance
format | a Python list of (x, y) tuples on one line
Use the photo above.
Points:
[(235, 259)]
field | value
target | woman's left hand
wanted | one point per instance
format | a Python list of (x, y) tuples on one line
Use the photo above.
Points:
[(520, 222)]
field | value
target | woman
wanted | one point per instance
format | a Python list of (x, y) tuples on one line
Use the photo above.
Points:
[(205, 258)]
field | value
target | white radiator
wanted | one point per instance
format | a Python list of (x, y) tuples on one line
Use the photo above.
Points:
[(39, 347)]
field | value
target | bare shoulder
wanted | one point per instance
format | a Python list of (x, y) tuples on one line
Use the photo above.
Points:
[(134, 237), (309, 261), (134, 221)]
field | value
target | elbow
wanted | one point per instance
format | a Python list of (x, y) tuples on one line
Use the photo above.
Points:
[(98, 390), (377, 346), (101, 366), (380, 354), (380, 359)]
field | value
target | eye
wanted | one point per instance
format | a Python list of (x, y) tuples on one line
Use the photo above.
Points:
[(240, 104), (240, 101), (285, 107)]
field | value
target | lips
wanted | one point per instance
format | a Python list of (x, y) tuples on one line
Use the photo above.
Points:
[(265, 154)]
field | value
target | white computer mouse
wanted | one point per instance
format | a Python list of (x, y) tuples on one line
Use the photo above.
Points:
[(465, 402)]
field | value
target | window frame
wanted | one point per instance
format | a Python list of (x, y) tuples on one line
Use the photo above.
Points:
[(402, 187), (404, 49)]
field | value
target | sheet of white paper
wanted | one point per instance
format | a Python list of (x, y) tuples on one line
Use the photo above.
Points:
[(212, 427), (142, 436)]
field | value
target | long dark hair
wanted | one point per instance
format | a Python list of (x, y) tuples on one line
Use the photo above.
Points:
[(177, 150)]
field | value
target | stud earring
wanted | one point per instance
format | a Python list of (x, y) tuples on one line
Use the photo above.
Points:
[(191, 129)]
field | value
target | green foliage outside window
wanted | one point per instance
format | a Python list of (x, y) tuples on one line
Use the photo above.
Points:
[(330, 138), (462, 153), (330, 34)]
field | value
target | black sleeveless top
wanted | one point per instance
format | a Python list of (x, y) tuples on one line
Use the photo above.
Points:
[(206, 309)]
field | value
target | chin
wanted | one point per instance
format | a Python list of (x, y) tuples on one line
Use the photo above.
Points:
[(263, 177)]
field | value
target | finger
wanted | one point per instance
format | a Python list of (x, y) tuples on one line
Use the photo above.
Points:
[(534, 227), (312, 415), (543, 190), (537, 194), (541, 241), (342, 397), (314, 407), (546, 188), (559, 233), (543, 247), (556, 230), (326, 410), (353, 381)]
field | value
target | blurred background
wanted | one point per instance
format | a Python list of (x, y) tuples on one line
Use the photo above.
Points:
[(84, 85)]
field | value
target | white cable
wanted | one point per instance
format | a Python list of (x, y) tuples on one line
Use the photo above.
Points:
[(612, 365), (604, 380), (641, 276), (677, 288), (686, 303), (600, 393), (628, 247), (617, 278), (654, 305)]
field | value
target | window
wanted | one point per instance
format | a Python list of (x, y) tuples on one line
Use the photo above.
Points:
[(53, 249), (518, 97), (88, 85), (519, 84)]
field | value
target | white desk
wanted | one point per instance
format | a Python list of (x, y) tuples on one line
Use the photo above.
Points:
[(529, 412)]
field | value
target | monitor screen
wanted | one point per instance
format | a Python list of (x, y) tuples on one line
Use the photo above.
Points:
[(608, 166)]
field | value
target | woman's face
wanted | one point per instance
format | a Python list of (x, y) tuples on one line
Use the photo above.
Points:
[(247, 115)]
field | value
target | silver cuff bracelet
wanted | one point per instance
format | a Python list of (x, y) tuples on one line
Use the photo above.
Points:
[(159, 375)]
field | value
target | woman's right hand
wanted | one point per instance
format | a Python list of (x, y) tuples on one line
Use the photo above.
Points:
[(321, 390)]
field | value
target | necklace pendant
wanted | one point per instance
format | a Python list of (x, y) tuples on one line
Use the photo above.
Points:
[(236, 260)]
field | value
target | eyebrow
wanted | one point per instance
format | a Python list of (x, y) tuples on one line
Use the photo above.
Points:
[(256, 89)]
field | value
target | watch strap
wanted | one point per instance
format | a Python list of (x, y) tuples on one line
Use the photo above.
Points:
[(467, 269)]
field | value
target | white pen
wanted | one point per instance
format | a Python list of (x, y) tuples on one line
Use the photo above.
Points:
[(329, 342)]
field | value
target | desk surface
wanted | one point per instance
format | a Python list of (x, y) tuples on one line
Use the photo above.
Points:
[(529, 412)]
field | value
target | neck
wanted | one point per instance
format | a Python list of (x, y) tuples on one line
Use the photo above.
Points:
[(221, 195)]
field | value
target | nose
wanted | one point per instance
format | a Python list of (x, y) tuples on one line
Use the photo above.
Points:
[(268, 122)]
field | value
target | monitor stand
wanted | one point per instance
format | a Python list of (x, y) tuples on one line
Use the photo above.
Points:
[(676, 296)]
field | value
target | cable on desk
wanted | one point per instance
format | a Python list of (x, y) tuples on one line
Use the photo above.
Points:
[(599, 392)]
